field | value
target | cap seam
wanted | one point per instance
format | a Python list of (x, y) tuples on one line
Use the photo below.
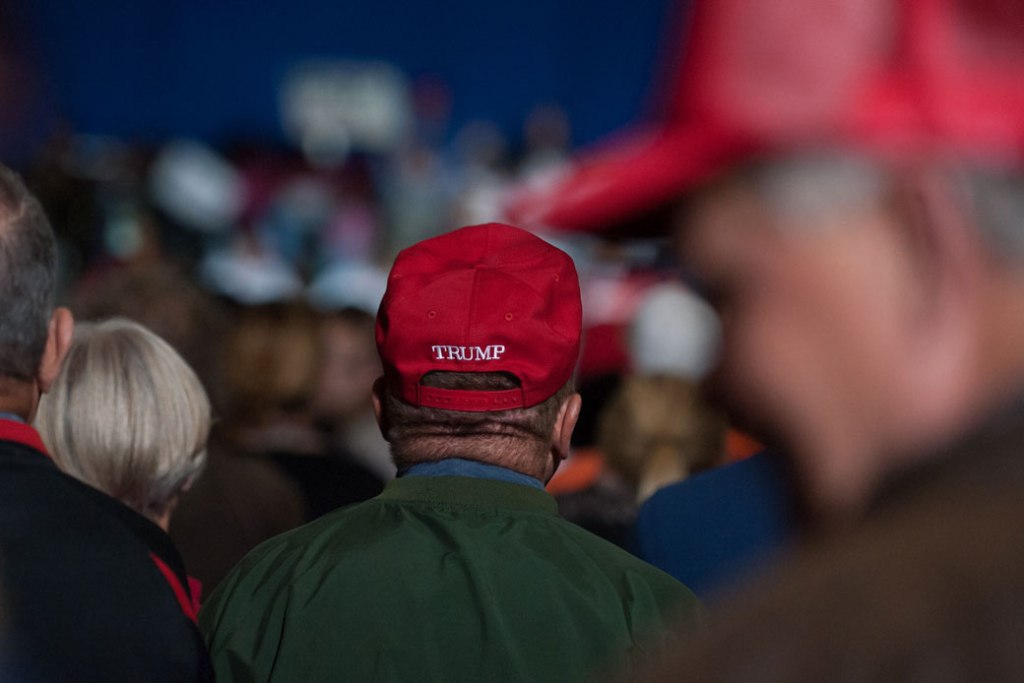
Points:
[(472, 306), (525, 284)]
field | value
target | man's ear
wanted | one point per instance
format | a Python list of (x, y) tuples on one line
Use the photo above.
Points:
[(58, 341), (379, 411), (568, 415), (943, 241), (950, 262)]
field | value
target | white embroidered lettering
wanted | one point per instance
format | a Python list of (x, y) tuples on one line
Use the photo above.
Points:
[(468, 353)]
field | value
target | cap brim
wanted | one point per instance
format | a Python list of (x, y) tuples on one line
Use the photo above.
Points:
[(634, 173)]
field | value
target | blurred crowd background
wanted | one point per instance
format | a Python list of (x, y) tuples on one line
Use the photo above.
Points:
[(323, 133), (239, 178), (289, 150)]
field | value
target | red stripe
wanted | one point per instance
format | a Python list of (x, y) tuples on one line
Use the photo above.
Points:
[(195, 587), (179, 591), (19, 432)]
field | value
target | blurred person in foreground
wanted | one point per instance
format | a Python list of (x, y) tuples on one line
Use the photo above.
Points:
[(870, 270), (853, 220), (89, 592), (863, 241), (461, 569)]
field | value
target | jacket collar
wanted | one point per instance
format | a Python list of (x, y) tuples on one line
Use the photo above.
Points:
[(21, 433), (471, 492)]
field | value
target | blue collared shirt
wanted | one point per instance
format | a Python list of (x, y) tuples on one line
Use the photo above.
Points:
[(460, 467), (11, 416)]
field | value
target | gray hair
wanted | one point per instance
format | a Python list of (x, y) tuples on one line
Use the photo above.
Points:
[(807, 185), (998, 200), (126, 415), (829, 181), (28, 268)]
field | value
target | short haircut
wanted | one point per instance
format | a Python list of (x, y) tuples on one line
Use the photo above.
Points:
[(126, 415), (519, 439), (28, 272)]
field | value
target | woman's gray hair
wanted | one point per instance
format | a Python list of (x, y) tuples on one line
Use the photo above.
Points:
[(28, 271), (126, 415)]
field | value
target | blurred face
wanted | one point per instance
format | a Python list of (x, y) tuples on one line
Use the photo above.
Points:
[(350, 366), (814, 310)]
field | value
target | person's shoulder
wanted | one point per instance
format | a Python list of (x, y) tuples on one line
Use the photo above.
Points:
[(760, 474), (946, 561), (67, 552), (275, 563), (618, 564), (42, 497), (651, 601), (252, 601)]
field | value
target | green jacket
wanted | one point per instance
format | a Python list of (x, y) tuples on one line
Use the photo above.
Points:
[(440, 579)]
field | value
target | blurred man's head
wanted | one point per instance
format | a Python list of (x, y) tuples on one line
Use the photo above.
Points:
[(865, 263), (868, 308), (33, 337), (479, 333)]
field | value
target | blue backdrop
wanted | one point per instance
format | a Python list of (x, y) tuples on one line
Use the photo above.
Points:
[(155, 68)]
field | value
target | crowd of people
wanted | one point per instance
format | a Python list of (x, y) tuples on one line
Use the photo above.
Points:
[(313, 423)]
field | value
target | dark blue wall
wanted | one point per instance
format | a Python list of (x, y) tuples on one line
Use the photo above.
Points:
[(153, 68)]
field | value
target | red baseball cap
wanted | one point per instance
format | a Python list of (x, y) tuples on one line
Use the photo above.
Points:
[(892, 77), (486, 298)]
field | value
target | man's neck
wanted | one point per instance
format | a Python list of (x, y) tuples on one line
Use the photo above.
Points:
[(17, 398)]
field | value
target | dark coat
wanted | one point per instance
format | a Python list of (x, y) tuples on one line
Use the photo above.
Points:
[(927, 586), (82, 596)]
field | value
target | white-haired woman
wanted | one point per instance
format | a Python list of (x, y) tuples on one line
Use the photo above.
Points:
[(127, 416)]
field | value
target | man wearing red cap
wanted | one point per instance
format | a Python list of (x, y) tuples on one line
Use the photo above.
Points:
[(859, 224), (461, 570)]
